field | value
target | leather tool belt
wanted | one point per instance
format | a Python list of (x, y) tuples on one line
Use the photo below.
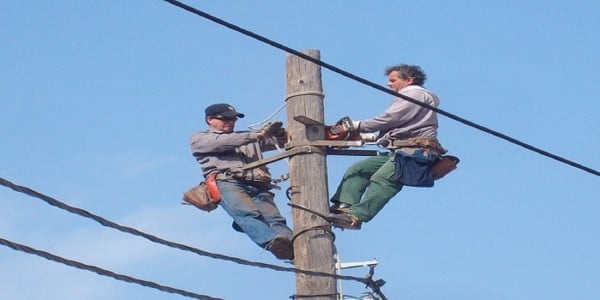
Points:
[(418, 142)]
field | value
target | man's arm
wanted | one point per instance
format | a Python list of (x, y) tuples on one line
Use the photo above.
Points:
[(211, 142), (399, 114)]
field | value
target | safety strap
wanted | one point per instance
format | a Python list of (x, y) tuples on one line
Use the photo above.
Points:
[(309, 147), (293, 151)]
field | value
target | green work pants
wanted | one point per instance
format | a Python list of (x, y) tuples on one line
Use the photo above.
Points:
[(368, 185)]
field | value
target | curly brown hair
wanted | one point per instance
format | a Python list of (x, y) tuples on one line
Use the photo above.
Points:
[(408, 71)]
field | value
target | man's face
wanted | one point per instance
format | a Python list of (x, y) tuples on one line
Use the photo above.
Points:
[(221, 123), (396, 83)]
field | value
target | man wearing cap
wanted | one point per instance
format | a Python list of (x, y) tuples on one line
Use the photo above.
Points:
[(245, 194)]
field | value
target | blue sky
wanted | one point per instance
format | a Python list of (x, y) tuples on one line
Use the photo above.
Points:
[(99, 100)]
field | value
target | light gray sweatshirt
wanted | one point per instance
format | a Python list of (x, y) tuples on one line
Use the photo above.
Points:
[(220, 151), (403, 119)]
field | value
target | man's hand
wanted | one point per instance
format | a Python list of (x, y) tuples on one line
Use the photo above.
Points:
[(281, 136), (270, 130), (343, 129), (368, 137), (347, 124)]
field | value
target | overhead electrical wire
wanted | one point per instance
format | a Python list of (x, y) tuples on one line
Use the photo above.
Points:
[(78, 211), (380, 87), (101, 271)]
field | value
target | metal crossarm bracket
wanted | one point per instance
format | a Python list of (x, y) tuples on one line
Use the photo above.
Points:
[(327, 143), (337, 147), (282, 155), (352, 152), (332, 147), (314, 147)]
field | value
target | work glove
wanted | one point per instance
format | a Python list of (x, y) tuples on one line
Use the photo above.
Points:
[(345, 124), (343, 129), (270, 130), (368, 137), (281, 137)]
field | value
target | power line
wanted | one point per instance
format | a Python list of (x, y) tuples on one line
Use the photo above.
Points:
[(78, 211), (103, 272), (381, 88)]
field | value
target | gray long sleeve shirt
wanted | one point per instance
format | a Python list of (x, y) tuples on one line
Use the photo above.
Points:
[(220, 151), (403, 119)]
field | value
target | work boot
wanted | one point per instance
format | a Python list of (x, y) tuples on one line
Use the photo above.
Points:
[(340, 207), (345, 221), (281, 247)]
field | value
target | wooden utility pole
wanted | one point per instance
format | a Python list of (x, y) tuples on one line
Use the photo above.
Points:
[(313, 246)]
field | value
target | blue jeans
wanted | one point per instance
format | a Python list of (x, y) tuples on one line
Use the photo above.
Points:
[(253, 210)]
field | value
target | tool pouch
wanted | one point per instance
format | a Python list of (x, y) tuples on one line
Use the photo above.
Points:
[(205, 195), (421, 169), (444, 165), (414, 169)]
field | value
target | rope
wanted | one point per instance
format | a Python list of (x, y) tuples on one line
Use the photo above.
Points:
[(314, 93), (285, 176), (326, 228), (257, 126), (103, 272)]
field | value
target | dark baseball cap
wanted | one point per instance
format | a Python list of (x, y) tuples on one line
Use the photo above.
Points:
[(222, 109)]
